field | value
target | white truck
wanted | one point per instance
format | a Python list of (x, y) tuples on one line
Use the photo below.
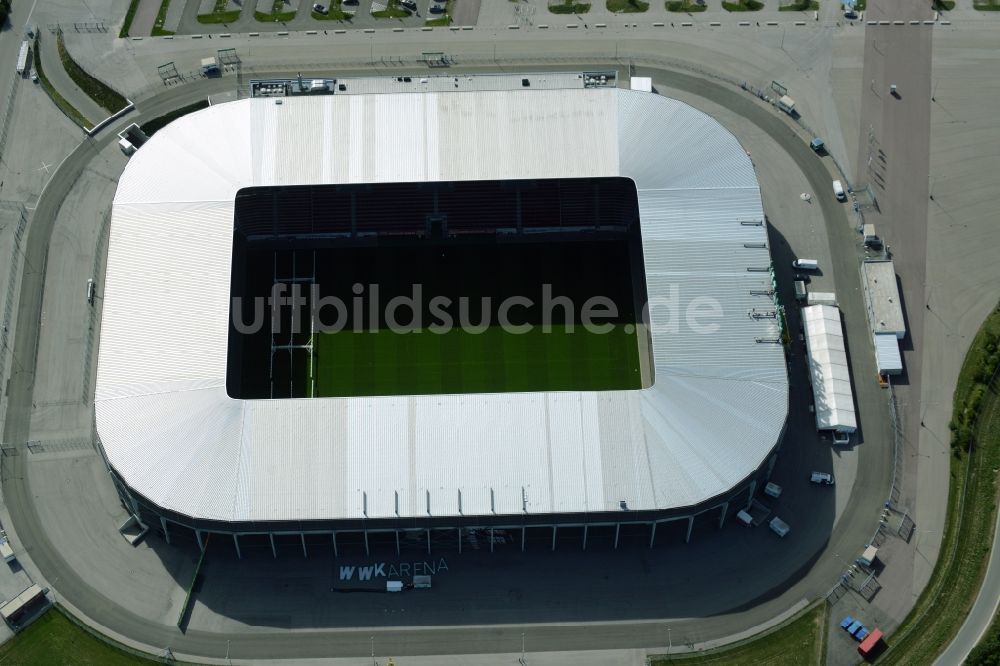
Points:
[(787, 104), (779, 527), (22, 57), (5, 550)]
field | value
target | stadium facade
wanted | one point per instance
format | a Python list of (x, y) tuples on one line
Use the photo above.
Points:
[(189, 459)]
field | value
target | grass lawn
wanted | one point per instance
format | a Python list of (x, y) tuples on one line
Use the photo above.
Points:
[(393, 10), (800, 6), (161, 16), (276, 15), (860, 5), (943, 5), (986, 5), (971, 511), (96, 89), (570, 7), (388, 363), (54, 640), (60, 101), (334, 12), (129, 16), (627, 6), (799, 642), (220, 14), (684, 6), (743, 6), (441, 20)]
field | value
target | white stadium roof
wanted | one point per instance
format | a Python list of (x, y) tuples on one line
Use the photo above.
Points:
[(169, 429)]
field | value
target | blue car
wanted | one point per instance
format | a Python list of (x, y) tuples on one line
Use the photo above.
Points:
[(846, 622)]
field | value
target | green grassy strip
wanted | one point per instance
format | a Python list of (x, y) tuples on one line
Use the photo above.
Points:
[(570, 7), (161, 17), (986, 6), (219, 17), (276, 15), (743, 6), (97, 90), (57, 638), (970, 519), (801, 640), (71, 111), (684, 6), (627, 6), (334, 12), (393, 10), (943, 5), (129, 15), (153, 126), (800, 6)]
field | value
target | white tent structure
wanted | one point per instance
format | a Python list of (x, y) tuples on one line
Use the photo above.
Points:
[(173, 436), (828, 369)]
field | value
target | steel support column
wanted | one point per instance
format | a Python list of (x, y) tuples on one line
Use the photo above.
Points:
[(304, 553), (397, 541), (459, 540), (687, 539), (618, 527), (274, 551), (554, 528), (166, 532), (491, 539), (722, 517), (367, 550), (652, 535), (201, 545), (428, 541), (523, 530), (335, 553), (585, 537), (236, 540), (753, 489)]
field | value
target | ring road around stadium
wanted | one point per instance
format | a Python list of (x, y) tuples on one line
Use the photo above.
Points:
[(485, 185)]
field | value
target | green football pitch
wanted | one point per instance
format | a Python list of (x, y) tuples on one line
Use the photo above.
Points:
[(384, 362)]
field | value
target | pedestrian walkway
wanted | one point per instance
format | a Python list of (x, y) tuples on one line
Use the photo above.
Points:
[(56, 74)]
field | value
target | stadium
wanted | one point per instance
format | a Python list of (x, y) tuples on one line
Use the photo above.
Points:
[(490, 188)]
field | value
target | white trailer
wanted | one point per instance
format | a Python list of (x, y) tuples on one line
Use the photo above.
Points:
[(6, 552), (22, 57), (787, 104)]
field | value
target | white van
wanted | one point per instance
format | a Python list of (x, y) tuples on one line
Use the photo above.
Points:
[(779, 527), (838, 191), (806, 264), (745, 518)]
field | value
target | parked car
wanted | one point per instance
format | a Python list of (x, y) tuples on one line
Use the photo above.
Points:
[(437, 9), (817, 144), (409, 4), (821, 478), (319, 9), (850, 14)]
